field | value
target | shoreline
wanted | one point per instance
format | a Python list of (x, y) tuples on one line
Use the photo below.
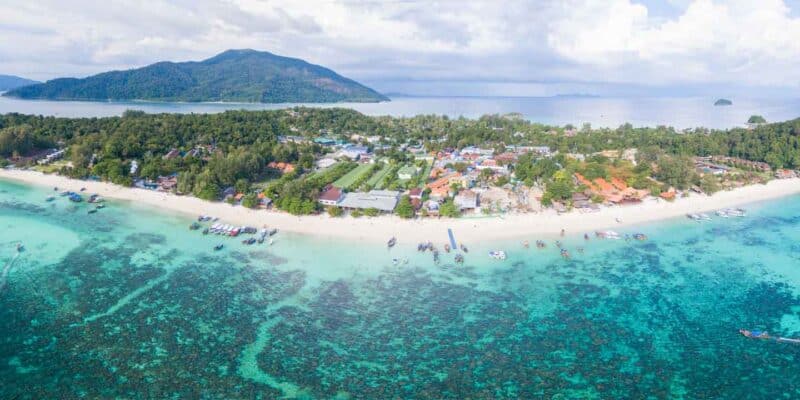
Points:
[(466, 229)]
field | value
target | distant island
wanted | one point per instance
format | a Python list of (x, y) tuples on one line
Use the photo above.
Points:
[(9, 82), (234, 76), (723, 102)]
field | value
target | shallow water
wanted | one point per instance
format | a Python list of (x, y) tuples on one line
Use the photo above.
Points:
[(129, 303)]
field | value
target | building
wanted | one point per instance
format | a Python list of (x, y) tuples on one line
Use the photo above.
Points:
[(134, 167), (53, 156), (331, 196), (381, 200), (283, 167), (354, 152), (415, 193), (785, 174), (407, 172), (466, 200), (323, 163), (174, 153)]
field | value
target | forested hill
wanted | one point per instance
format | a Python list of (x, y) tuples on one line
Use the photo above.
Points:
[(235, 76), (8, 82)]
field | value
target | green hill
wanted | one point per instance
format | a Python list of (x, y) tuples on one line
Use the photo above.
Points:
[(234, 75), (8, 82)]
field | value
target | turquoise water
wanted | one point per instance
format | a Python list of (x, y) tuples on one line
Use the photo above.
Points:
[(128, 303), (680, 112)]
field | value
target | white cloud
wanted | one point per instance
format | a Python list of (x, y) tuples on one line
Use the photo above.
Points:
[(715, 41)]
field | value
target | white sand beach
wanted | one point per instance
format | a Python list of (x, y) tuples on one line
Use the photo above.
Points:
[(467, 229)]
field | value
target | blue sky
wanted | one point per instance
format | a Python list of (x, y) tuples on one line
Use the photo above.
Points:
[(513, 48)]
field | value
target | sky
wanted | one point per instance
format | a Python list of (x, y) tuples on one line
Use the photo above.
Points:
[(441, 48)]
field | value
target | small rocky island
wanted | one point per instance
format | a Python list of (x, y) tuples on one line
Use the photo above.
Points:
[(723, 102)]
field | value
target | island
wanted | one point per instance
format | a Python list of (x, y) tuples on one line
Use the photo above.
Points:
[(233, 76), (9, 82), (338, 164), (723, 102)]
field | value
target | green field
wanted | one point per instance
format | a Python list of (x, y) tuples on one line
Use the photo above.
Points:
[(377, 178), (425, 174), (347, 180)]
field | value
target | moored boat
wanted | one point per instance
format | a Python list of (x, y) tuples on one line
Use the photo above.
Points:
[(497, 254), (391, 242)]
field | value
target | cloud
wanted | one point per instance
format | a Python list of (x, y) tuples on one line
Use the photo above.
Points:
[(647, 42)]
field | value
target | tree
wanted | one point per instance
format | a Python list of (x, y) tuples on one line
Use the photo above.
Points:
[(334, 211), (449, 209), (209, 191), (250, 200), (404, 208), (756, 119), (371, 212)]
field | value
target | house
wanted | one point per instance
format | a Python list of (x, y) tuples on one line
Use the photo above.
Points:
[(581, 200), (167, 183), (325, 141), (432, 207), (353, 152), (134, 167), (541, 150), (785, 174), (323, 163), (407, 172), (466, 200), (263, 200), (415, 193), (331, 196), (381, 200), (174, 153), (283, 167)]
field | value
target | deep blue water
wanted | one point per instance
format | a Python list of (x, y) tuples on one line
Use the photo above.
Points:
[(680, 112)]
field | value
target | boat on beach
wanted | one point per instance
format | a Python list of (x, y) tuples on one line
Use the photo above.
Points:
[(391, 242), (464, 249)]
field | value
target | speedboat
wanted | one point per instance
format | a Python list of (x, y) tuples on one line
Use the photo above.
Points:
[(497, 254), (464, 249), (565, 253), (391, 242), (640, 236), (219, 247), (459, 258), (20, 247), (50, 198), (92, 211)]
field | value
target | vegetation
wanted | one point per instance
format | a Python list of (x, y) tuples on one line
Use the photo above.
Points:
[(404, 208), (449, 209), (8, 82), (211, 153), (756, 119), (235, 75)]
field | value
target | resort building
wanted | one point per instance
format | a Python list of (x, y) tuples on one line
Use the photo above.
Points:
[(615, 191), (466, 200), (353, 152), (331, 196), (323, 163), (381, 200), (415, 193)]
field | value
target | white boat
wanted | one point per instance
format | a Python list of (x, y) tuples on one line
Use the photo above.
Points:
[(497, 254), (704, 217)]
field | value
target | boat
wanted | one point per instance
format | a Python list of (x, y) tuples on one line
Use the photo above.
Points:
[(693, 217), (608, 235), (540, 244), (218, 247), (83, 189), (249, 242), (704, 217), (205, 231), (95, 199), (526, 244), (565, 254), (20, 247), (75, 198), (585, 236), (65, 193), (459, 258), (92, 211), (558, 244), (100, 206), (640, 236), (273, 231), (764, 335), (50, 198), (391, 242), (194, 226), (464, 249), (497, 254), (447, 247), (436, 256)]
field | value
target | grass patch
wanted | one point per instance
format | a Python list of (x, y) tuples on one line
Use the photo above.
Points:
[(352, 176)]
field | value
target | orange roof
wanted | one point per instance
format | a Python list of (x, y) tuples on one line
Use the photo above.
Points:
[(619, 183), (282, 166), (238, 196), (603, 185), (668, 195)]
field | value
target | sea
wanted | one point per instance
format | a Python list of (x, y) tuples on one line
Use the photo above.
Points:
[(607, 112), (129, 303)]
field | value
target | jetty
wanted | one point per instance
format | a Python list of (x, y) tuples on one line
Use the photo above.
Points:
[(452, 238), (763, 335)]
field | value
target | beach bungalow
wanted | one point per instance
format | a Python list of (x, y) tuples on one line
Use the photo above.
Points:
[(331, 196), (466, 200), (167, 183)]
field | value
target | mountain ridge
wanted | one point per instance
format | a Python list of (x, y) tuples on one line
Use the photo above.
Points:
[(237, 75)]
